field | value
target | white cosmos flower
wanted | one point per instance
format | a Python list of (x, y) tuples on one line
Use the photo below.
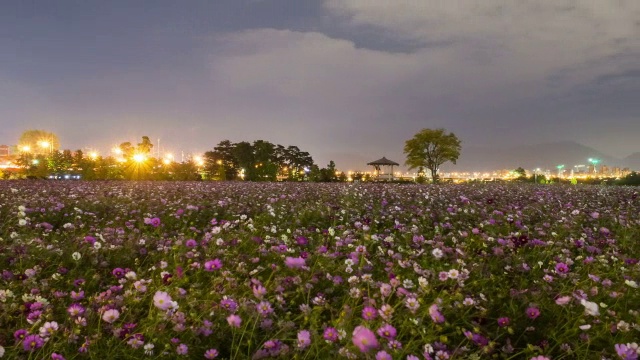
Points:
[(590, 308)]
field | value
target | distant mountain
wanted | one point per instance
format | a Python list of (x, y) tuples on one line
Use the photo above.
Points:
[(544, 156), (632, 161)]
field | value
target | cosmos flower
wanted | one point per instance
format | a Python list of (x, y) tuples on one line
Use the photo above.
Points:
[(162, 300), (110, 315), (32, 343), (294, 263), (234, 320), (304, 339), (533, 312), (212, 265), (364, 339)]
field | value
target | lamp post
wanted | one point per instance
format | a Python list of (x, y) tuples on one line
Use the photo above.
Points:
[(594, 162), (560, 167)]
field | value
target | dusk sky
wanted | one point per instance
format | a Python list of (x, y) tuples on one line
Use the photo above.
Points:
[(348, 80)]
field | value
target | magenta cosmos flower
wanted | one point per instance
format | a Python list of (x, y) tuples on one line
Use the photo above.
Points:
[(533, 312), (562, 268), (364, 339), (213, 265), (369, 313), (32, 342), (503, 321), (330, 334)]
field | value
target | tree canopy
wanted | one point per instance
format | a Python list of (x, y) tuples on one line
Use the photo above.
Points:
[(38, 142), (429, 149)]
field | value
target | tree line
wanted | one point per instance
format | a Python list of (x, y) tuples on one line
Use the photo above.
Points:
[(252, 161), (257, 161)]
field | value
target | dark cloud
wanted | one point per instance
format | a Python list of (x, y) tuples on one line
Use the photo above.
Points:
[(346, 80)]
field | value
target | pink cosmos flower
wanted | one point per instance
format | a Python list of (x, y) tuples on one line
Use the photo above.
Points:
[(294, 263), (264, 308), (563, 300), (211, 354), (383, 355), (364, 339), (304, 339), (111, 315), (435, 314), (234, 320), (387, 331), (162, 300)]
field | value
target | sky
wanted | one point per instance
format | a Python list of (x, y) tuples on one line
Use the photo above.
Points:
[(345, 80)]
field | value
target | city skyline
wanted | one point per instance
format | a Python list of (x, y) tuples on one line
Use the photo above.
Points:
[(347, 80)]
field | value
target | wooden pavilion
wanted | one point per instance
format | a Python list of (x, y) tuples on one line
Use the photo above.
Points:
[(379, 175)]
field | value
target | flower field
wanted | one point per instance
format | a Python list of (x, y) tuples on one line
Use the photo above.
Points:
[(203, 270)]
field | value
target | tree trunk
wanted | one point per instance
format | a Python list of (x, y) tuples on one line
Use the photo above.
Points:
[(434, 175)]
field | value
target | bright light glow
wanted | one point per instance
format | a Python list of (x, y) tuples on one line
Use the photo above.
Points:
[(116, 150), (36, 161), (198, 160), (139, 157), (44, 144), (166, 161), (169, 156), (93, 155), (25, 148)]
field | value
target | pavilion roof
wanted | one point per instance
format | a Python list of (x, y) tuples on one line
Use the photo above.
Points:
[(384, 161)]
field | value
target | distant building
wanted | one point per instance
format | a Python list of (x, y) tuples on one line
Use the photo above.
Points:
[(5, 150)]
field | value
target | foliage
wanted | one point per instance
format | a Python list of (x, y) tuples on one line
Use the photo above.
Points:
[(257, 161), (303, 270), (430, 149), (34, 140), (631, 179), (521, 173)]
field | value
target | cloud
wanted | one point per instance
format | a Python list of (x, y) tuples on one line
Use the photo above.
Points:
[(531, 38)]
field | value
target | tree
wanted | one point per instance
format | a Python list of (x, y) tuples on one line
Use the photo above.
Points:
[(430, 149), (521, 173), (38, 142), (145, 146)]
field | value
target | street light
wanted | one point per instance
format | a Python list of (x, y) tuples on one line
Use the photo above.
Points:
[(46, 144), (25, 148), (139, 158), (560, 167)]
